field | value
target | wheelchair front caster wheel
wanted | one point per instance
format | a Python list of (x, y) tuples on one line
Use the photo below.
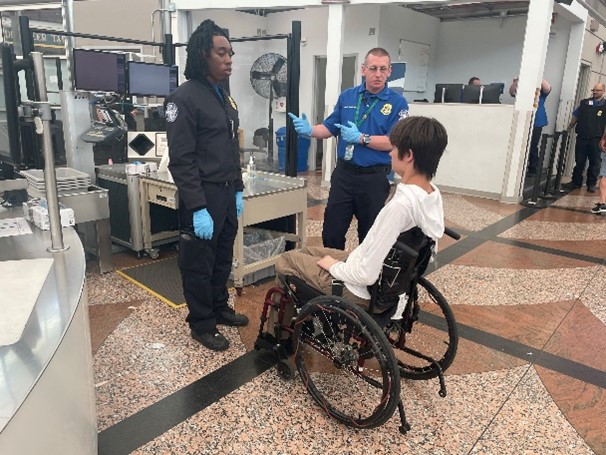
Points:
[(404, 429), (285, 370)]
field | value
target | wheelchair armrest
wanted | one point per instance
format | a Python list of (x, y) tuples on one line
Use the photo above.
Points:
[(408, 251), (452, 234)]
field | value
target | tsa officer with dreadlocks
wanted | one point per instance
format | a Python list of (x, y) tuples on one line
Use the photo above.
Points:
[(202, 125), (362, 119)]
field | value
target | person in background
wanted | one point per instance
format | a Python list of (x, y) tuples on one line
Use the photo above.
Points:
[(540, 120), (418, 145), (474, 81), (201, 125), (362, 119), (600, 207), (590, 120)]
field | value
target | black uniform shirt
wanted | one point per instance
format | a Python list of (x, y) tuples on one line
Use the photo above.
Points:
[(202, 140)]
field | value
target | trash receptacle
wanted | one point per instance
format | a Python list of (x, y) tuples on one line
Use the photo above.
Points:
[(303, 151)]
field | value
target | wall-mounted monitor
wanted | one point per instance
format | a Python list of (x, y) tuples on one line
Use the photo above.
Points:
[(471, 94), (10, 141), (99, 71), (151, 79), (448, 93), (492, 93)]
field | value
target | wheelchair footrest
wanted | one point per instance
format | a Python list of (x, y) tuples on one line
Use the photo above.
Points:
[(266, 341)]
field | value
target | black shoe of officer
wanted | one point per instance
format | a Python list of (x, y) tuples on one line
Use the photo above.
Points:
[(570, 186), (231, 318), (591, 188), (211, 340)]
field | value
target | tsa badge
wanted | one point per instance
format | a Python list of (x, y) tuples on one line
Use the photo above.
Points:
[(171, 112), (600, 113), (386, 110), (232, 102), (402, 114)]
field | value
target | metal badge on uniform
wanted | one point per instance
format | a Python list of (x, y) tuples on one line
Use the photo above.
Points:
[(386, 109), (402, 114), (232, 102), (600, 113), (171, 112)]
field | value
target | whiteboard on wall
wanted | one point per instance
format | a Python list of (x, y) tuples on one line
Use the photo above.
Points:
[(416, 55)]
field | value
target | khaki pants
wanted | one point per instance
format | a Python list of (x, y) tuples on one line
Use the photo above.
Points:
[(303, 264)]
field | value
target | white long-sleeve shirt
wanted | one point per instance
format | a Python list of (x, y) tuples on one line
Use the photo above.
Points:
[(410, 206)]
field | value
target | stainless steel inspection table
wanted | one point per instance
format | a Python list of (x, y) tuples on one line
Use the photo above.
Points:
[(268, 197), (47, 397)]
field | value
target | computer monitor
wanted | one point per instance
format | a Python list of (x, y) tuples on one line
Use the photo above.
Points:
[(448, 93), (99, 71), (10, 140), (471, 94), (492, 93), (151, 79)]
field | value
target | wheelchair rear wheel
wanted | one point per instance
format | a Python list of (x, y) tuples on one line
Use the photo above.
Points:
[(346, 363), (425, 341)]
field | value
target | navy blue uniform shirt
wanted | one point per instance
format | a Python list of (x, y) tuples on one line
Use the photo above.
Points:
[(390, 108)]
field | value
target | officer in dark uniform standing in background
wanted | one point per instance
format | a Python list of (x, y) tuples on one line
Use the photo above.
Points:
[(202, 125), (362, 119), (590, 120)]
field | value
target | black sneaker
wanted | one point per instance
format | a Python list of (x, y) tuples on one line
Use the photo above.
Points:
[(211, 340), (570, 186), (599, 208), (591, 188), (231, 318)]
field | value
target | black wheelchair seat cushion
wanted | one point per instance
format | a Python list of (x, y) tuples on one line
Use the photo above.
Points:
[(303, 291)]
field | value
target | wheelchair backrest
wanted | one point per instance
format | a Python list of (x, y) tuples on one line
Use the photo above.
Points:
[(399, 269)]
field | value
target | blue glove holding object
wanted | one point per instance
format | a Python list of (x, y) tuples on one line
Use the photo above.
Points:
[(203, 224), (302, 126), (350, 134), (239, 203)]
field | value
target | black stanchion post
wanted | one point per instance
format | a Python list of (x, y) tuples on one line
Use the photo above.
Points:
[(561, 161), (537, 178), (554, 149)]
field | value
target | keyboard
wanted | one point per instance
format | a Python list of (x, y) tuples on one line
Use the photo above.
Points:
[(101, 133)]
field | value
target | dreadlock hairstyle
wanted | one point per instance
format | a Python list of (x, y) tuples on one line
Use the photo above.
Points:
[(198, 47)]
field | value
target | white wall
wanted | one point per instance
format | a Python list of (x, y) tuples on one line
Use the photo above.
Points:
[(398, 23)]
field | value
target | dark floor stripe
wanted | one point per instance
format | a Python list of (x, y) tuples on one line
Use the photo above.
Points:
[(549, 250), (149, 423), (536, 356)]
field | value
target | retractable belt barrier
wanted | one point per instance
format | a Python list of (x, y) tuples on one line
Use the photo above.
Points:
[(559, 148)]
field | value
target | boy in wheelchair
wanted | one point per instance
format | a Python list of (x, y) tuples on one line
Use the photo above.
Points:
[(342, 337), (418, 144)]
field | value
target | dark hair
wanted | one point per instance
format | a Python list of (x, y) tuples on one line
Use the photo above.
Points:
[(198, 47), (427, 139), (378, 52), (472, 80)]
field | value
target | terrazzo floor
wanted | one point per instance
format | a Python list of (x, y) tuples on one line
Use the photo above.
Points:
[(528, 289)]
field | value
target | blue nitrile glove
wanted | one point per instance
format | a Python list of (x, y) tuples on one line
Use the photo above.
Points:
[(350, 134), (302, 126), (203, 224), (239, 203)]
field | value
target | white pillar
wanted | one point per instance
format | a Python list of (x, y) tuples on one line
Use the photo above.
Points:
[(334, 63), (536, 39), (571, 73)]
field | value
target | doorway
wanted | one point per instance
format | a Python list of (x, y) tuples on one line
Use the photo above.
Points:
[(348, 80)]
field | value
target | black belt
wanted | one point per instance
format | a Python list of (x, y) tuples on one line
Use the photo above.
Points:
[(221, 183), (355, 169)]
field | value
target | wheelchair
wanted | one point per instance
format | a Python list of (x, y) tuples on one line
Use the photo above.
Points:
[(351, 359)]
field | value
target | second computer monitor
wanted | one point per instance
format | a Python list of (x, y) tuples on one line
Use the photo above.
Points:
[(150, 79), (448, 93)]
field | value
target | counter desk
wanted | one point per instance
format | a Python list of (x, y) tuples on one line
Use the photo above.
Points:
[(269, 197), (47, 401)]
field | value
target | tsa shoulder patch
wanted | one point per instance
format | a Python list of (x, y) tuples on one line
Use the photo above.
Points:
[(172, 112), (403, 114)]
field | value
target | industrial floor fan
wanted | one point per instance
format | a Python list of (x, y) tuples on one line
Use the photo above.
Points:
[(268, 79)]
